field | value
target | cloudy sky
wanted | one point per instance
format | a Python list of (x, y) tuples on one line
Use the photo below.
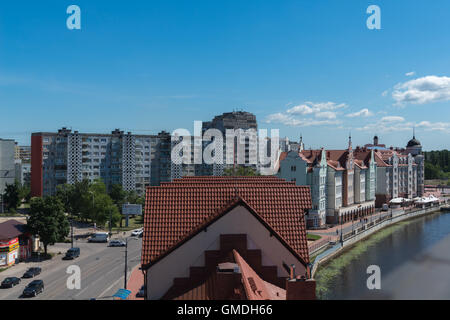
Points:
[(309, 68)]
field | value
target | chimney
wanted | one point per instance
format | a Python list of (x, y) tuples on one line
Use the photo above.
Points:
[(292, 272), (301, 289)]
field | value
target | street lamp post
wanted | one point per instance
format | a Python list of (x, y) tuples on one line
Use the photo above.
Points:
[(110, 222), (71, 228)]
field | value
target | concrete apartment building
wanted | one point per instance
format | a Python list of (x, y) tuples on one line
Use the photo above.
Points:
[(234, 121), (117, 158), (7, 166), (400, 171), (342, 182), (22, 160)]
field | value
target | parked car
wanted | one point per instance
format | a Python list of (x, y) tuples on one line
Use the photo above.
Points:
[(141, 234), (141, 292), (385, 207), (32, 272), (10, 282), (33, 288), (117, 243), (99, 237), (72, 253), (137, 232)]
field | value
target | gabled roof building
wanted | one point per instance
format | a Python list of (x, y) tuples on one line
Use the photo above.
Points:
[(401, 171), (342, 182), (227, 238)]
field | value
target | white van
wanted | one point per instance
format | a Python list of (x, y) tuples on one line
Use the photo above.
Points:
[(99, 237), (385, 207)]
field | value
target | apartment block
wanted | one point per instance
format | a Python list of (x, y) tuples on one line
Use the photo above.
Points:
[(7, 166), (116, 158)]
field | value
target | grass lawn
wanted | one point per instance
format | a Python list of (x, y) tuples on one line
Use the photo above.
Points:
[(133, 223), (312, 237)]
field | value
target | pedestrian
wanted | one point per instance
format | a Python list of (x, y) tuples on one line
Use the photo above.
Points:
[(337, 232)]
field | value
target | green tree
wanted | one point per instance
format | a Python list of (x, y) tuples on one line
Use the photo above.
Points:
[(134, 198), (431, 171), (25, 192), (240, 171), (65, 193), (82, 200), (104, 207), (12, 196), (118, 195), (47, 220)]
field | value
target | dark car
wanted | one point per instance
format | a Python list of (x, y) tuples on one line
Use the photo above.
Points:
[(10, 282), (32, 272), (72, 253), (141, 292), (141, 234), (34, 288)]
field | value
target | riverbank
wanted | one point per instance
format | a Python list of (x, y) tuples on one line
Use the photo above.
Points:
[(350, 238), (406, 243)]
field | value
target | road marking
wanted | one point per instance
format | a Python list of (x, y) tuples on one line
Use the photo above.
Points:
[(109, 288)]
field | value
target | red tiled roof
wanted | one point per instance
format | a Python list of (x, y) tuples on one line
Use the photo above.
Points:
[(174, 211), (379, 160), (310, 155)]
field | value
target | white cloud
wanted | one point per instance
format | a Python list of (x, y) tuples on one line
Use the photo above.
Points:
[(321, 113), (361, 113), (392, 119), (422, 90), (301, 109), (434, 126), (395, 123), (283, 118), (326, 115), (410, 74)]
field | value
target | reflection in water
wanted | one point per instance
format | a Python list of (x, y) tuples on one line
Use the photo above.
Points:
[(344, 276)]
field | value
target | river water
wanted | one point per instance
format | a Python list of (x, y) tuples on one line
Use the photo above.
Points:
[(345, 276)]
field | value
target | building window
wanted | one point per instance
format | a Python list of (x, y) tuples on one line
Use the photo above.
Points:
[(293, 168)]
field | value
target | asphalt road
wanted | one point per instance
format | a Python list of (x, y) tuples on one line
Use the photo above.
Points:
[(102, 272)]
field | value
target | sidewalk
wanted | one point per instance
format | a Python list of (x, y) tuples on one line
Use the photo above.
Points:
[(135, 283)]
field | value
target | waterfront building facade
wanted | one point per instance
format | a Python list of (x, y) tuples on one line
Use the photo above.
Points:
[(342, 182), (400, 171)]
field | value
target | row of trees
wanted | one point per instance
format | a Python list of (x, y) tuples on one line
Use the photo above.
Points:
[(14, 194), (84, 201), (240, 171), (91, 201), (437, 164)]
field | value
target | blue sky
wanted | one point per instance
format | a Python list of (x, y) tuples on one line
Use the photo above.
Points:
[(304, 67)]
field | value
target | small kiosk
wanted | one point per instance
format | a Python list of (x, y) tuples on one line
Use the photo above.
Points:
[(15, 243)]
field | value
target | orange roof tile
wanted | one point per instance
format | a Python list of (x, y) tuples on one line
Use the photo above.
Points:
[(175, 210)]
